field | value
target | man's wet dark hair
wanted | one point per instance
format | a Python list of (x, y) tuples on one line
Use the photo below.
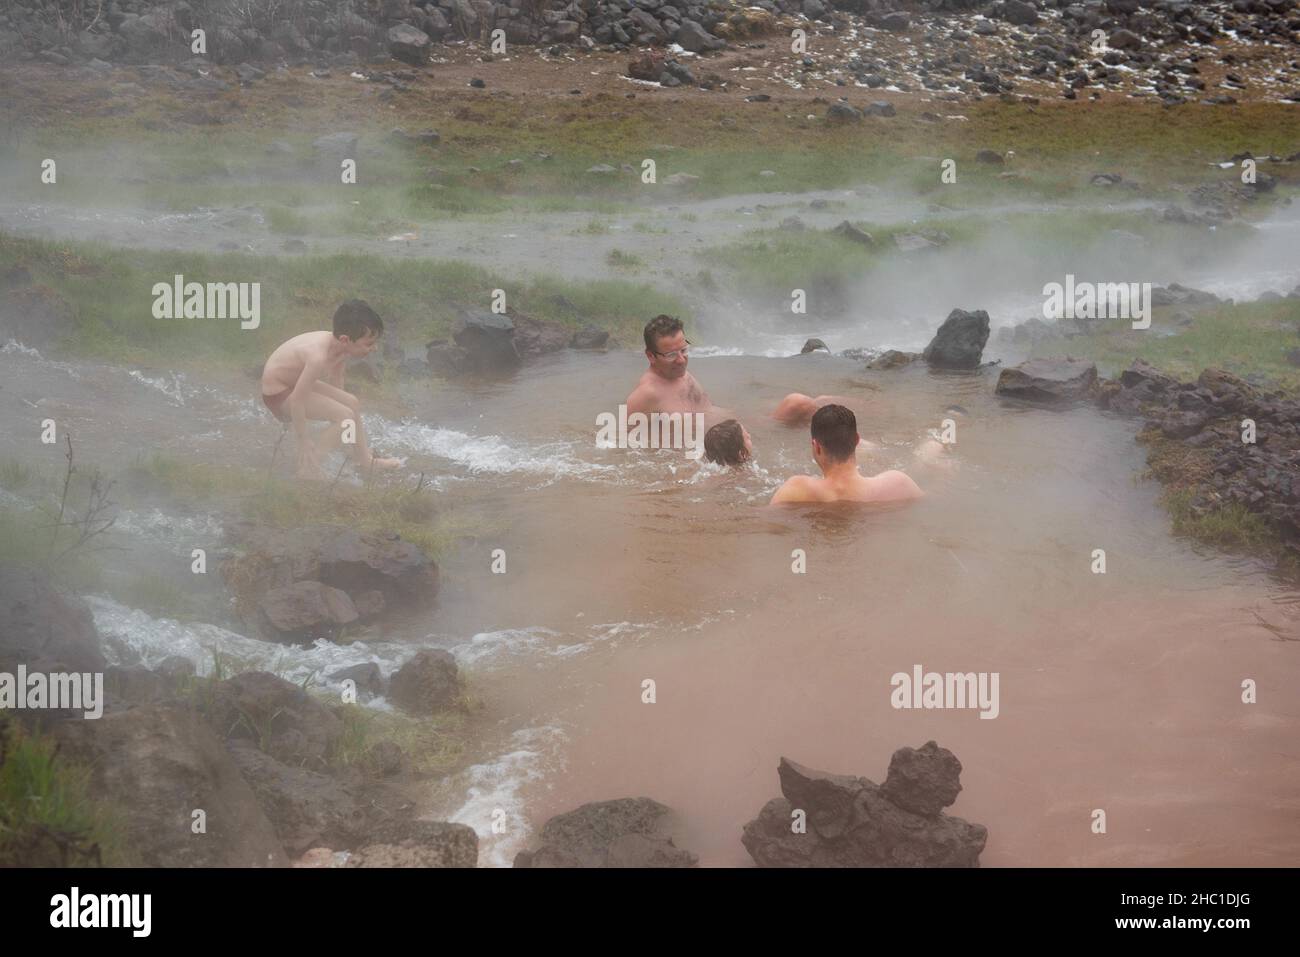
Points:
[(355, 318), (725, 444), (836, 429), (658, 328)]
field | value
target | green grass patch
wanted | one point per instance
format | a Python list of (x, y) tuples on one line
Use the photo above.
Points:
[(431, 745), (1233, 526), (47, 817), (152, 155), (16, 476), (409, 509), (1246, 339), (110, 295), (620, 259)]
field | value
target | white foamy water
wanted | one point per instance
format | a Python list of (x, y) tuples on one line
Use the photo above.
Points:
[(170, 384), (154, 639), (493, 788), (487, 453), (14, 347), (157, 525), (490, 649)]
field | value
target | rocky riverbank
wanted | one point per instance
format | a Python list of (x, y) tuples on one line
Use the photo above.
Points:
[(1219, 442), (248, 770), (1217, 52)]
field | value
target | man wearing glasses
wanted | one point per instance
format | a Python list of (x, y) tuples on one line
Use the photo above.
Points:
[(666, 386)]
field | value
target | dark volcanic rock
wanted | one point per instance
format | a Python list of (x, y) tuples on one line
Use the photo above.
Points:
[(852, 822), (627, 832), (535, 337), (843, 113), (427, 683), (305, 611), (1141, 372), (488, 340), (853, 234), (366, 676), (1182, 425), (960, 341), (923, 780), (1019, 12), (1048, 381), (407, 43)]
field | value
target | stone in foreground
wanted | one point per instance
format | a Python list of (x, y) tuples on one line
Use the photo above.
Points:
[(627, 832), (853, 822), (1048, 381)]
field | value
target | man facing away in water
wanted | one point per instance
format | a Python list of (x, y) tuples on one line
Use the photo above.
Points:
[(834, 447), (666, 386)]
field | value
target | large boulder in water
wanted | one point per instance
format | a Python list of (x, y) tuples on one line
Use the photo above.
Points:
[(923, 780), (482, 342), (627, 832), (1048, 381), (305, 611), (960, 341), (852, 822), (429, 682), (42, 628), (535, 337), (156, 765)]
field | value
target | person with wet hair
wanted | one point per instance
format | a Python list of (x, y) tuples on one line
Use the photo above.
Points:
[(834, 448), (728, 443), (303, 381)]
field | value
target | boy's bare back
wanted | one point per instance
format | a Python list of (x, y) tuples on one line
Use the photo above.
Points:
[(286, 364)]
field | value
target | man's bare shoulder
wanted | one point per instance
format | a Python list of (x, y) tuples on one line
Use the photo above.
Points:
[(645, 397), (893, 485), (797, 488)]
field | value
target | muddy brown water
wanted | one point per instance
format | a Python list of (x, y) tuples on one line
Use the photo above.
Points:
[(1119, 691)]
